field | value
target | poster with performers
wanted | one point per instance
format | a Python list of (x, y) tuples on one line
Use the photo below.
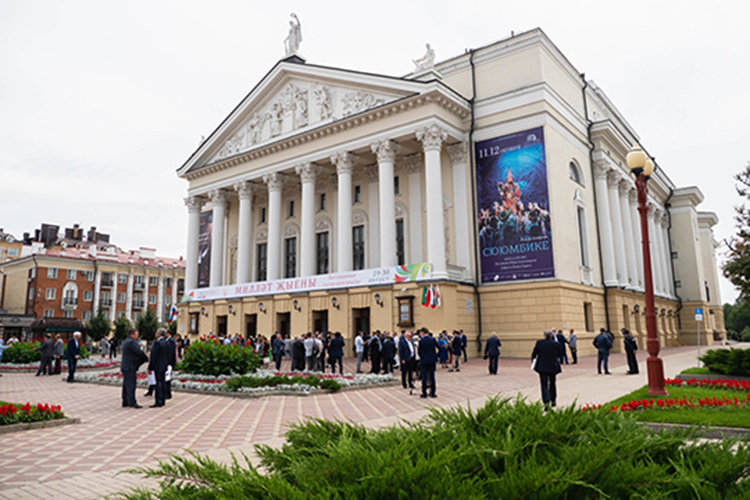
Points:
[(204, 249), (515, 237)]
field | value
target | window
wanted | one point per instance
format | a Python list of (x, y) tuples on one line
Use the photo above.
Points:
[(89, 275), (169, 283), (575, 173), (291, 208), (52, 273), (153, 281), (121, 314), (88, 296), (51, 293), (588, 314), (168, 300), (68, 314), (322, 252), (86, 315), (31, 293), (400, 256), (396, 186), (322, 202), (33, 272), (12, 252), (138, 279), (121, 297), (180, 284), (105, 299), (290, 257), (358, 252), (49, 313), (582, 240), (357, 194), (152, 298), (71, 274), (194, 322), (136, 315), (262, 261), (262, 215), (122, 278)]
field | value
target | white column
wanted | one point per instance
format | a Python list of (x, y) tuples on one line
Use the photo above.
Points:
[(160, 299), (219, 200), (129, 296), (344, 162), (113, 296), (194, 205), (432, 138), (386, 151), (274, 181), (175, 279), (613, 179), (669, 281), (307, 249), (372, 255), (601, 168), (635, 219), (461, 196), (627, 226), (97, 291), (413, 165), (245, 191), (655, 250)]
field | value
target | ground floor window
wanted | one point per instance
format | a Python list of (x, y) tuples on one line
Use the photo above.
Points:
[(358, 252), (290, 257), (588, 313), (262, 261), (323, 251)]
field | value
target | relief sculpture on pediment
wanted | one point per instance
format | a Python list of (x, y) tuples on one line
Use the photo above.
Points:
[(323, 101), (355, 102)]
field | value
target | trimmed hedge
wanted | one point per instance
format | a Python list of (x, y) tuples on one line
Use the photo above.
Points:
[(236, 383), (25, 352), (209, 357), (728, 361)]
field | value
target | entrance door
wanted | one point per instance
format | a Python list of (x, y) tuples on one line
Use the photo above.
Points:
[(361, 318), (221, 326), (251, 325), (283, 321), (320, 321)]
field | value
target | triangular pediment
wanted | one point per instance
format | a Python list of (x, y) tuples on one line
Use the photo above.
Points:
[(292, 99)]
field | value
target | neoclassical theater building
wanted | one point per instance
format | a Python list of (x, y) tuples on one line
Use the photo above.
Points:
[(487, 192)]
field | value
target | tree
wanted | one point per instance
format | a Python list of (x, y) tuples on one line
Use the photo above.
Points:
[(172, 327), (122, 325), (99, 326), (147, 325), (737, 265)]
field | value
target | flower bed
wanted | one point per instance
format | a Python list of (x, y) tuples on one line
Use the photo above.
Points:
[(736, 385), (684, 402), (82, 363), (15, 413), (218, 383)]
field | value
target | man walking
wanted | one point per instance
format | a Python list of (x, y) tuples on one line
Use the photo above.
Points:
[(132, 358), (456, 348), (546, 362), (157, 365), (58, 353), (298, 355), (310, 351), (359, 350), (492, 351), (428, 356), (171, 362), (573, 343), (406, 356), (72, 354), (389, 353), (336, 352), (277, 350), (603, 344), (48, 349), (630, 347), (560, 337), (464, 343), (375, 348)]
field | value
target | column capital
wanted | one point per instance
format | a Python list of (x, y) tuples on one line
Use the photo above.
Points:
[(386, 150), (371, 173), (613, 177), (432, 137), (665, 219), (194, 203), (307, 171), (458, 152), (413, 163), (344, 161), (245, 189), (274, 181), (624, 186), (219, 197), (632, 195), (601, 168)]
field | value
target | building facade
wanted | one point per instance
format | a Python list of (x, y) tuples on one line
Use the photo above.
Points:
[(337, 200)]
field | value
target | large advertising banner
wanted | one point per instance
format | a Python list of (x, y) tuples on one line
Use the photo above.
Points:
[(515, 237), (204, 249)]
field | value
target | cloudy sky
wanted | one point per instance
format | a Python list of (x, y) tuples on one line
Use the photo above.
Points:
[(100, 102)]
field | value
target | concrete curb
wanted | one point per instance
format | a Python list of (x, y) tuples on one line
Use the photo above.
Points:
[(686, 376), (30, 426), (705, 432), (63, 371)]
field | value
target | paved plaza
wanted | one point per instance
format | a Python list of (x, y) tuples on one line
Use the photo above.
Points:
[(81, 461)]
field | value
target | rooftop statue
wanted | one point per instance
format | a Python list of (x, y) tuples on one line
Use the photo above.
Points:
[(292, 41), (427, 61)]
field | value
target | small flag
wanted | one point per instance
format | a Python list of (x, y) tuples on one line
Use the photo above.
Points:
[(437, 296), (433, 298), (173, 313), (426, 296)]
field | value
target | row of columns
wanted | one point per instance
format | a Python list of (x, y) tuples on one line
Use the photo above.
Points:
[(129, 297), (620, 234), (432, 139)]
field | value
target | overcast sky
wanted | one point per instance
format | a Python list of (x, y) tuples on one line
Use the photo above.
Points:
[(101, 101)]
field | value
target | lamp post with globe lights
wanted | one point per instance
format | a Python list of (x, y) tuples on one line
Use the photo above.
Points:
[(641, 166)]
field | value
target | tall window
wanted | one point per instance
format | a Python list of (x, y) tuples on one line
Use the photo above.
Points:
[(262, 215), (169, 283), (88, 296), (582, 240), (400, 256), (322, 253), (153, 281), (71, 274), (575, 173), (122, 278), (322, 204), (291, 208), (52, 272), (396, 186), (86, 315), (51, 293), (357, 194), (290, 257), (358, 252), (121, 297), (49, 313), (89, 275), (262, 261)]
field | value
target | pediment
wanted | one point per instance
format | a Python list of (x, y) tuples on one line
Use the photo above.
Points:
[(294, 98)]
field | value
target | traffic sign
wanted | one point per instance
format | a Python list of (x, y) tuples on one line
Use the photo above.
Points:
[(698, 314)]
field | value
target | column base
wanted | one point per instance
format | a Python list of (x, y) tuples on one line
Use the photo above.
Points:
[(440, 275)]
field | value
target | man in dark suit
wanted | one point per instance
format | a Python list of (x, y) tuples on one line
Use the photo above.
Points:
[(492, 351), (72, 353), (560, 337), (464, 343), (277, 350), (428, 356), (456, 349), (157, 365), (132, 358), (375, 347), (547, 353), (406, 357), (298, 355), (336, 352), (171, 361), (388, 354), (603, 344), (48, 351)]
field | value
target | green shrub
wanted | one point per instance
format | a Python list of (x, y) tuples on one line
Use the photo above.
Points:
[(746, 334), (728, 361), (330, 384), (84, 351), (236, 383), (503, 450), (210, 357), (22, 353)]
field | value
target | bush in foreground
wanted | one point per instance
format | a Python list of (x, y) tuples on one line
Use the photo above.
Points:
[(15, 414), (504, 450), (209, 357), (728, 361)]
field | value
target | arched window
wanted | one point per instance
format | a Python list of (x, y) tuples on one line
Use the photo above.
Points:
[(575, 172)]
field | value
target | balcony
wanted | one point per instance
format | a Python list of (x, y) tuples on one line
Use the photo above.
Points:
[(70, 303), (107, 283), (139, 286), (106, 302), (138, 304)]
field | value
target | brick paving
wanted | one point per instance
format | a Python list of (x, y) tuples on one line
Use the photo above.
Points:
[(81, 461)]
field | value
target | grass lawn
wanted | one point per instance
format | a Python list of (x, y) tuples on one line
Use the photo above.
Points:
[(728, 416), (698, 371)]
